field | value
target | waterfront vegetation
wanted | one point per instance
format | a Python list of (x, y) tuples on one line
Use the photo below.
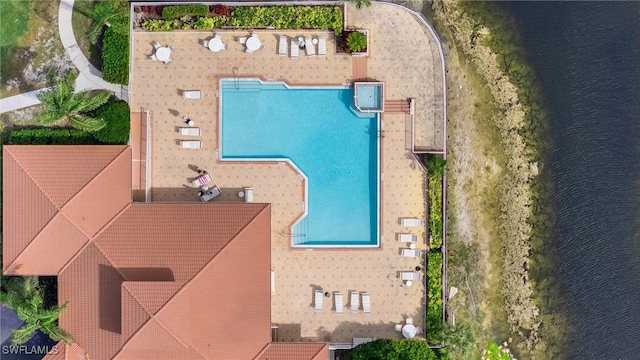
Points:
[(434, 297), (493, 351), (243, 17), (512, 192), (385, 349)]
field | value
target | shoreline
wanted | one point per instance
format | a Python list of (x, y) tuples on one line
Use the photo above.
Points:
[(496, 183)]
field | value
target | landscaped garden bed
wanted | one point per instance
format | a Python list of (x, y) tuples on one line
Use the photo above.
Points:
[(434, 297), (435, 211), (193, 17)]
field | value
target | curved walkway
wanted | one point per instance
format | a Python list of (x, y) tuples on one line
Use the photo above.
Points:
[(89, 77)]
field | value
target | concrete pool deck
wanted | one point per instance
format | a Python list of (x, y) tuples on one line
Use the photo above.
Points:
[(399, 47)]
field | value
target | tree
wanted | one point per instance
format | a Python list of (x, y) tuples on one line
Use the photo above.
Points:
[(385, 349), (24, 296), (356, 41), (359, 3), (66, 107), (113, 13)]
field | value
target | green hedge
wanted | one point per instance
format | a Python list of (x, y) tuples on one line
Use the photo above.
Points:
[(434, 297), (48, 136), (178, 11), (435, 211), (115, 57), (278, 17), (118, 117)]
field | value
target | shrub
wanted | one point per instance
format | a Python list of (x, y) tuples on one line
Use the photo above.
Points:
[(118, 117), (435, 211), (384, 349), (357, 41), (160, 25), (178, 11), (222, 10), (115, 57), (48, 136), (209, 23), (434, 297)]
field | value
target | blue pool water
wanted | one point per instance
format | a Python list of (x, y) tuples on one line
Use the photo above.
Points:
[(319, 132)]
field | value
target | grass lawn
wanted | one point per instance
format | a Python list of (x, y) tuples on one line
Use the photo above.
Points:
[(81, 25), (30, 45)]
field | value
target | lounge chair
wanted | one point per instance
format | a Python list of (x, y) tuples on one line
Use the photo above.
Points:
[(273, 282), (190, 144), (337, 297), (248, 195), (411, 222), (192, 94), (409, 275), (201, 180), (282, 46), (366, 303), (190, 131), (210, 194), (407, 237), (294, 49), (354, 303), (322, 46), (409, 321), (411, 253), (318, 300), (309, 47), (242, 39)]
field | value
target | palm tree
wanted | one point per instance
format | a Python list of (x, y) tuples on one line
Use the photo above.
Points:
[(66, 107), (114, 13), (356, 41), (24, 296)]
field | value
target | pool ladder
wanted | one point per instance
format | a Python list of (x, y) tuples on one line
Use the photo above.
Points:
[(236, 78)]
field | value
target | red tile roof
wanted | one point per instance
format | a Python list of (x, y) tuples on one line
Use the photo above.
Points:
[(142, 281)]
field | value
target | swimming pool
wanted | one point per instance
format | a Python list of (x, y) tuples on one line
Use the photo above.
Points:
[(319, 132)]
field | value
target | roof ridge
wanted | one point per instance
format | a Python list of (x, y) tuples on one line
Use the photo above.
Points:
[(261, 352), (124, 284), (319, 350)]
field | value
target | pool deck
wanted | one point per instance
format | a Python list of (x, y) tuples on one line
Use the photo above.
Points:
[(156, 88)]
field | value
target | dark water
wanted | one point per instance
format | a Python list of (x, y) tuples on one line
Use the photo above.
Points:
[(586, 56)]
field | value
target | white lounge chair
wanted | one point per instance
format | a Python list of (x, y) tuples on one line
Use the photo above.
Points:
[(295, 47), (190, 131), (339, 303), (366, 303), (282, 46), (210, 194), (411, 222), (409, 275), (322, 46), (407, 237), (354, 303), (318, 300), (192, 94), (411, 253), (190, 144), (309, 47), (248, 195), (273, 282)]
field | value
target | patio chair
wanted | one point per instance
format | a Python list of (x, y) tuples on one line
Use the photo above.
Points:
[(225, 46), (261, 47), (248, 51), (418, 330), (242, 39), (409, 321), (294, 49), (156, 44), (322, 46), (354, 303), (190, 144), (192, 94), (217, 36), (211, 194), (398, 327), (409, 275), (411, 222), (366, 303), (318, 300), (407, 237), (411, 253), (308, 46), (190, 131), (168, 61), (205, 43), (337, 297), (282, 46)]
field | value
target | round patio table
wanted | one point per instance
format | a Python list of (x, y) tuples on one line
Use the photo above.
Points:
[(409, 331), (163, 53), (215, 44), (253, 43)]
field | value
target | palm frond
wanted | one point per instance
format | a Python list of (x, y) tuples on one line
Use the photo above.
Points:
[(90, 100), (23, 334), (87, 123), (56, 333)]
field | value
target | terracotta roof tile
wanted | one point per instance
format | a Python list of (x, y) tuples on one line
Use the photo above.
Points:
[(133, 314), (153, 342), (92, 287), (59, 240), (103, 197), (26, 209), (152, 294), (57, 353), (75, 352), (74, 166), (295, 351)]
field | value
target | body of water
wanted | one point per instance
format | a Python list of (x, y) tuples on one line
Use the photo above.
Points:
[(586, 56)]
